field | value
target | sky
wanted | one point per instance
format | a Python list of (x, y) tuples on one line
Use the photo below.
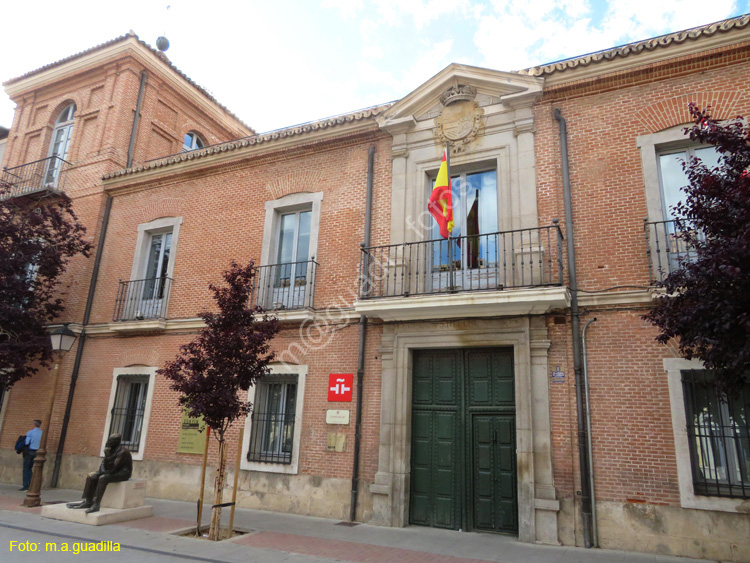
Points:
[(278, 64)]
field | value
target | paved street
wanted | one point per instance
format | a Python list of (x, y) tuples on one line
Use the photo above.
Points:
[(271, 538)]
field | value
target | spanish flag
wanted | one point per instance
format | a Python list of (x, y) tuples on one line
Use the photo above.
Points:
[(441, 200)]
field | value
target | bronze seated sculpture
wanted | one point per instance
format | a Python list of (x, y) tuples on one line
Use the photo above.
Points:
[(116, 466)]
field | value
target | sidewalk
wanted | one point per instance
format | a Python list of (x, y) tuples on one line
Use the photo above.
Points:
[(272, 537)]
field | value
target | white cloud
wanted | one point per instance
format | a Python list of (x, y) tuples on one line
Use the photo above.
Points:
[(515, 36), (422, 12), (347, 8), (276, 64)]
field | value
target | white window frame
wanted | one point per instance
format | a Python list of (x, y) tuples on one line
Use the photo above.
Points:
[(651, 146), (143, 245), (289, 204), (195, 138), (688, 498), (53, 167), (4, 407), (291, 468), (132, 370)]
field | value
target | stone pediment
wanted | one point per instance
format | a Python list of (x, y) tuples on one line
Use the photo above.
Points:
[(461, 84)]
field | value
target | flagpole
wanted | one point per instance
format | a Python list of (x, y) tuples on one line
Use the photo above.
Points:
[(452, 280)]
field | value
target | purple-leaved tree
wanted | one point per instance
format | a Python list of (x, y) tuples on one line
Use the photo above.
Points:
[(214, 372), (38, 237), (706, 306)]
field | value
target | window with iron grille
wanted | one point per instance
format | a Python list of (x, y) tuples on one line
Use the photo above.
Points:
[(272, 437), (128, 409), (718, 428)]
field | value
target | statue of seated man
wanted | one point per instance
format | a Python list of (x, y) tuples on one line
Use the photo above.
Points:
[(116, 466)]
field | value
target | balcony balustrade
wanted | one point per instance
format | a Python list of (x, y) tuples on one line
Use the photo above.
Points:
[(139, 300), (285, 286), (488, 262), (47, 174), (666, 248)]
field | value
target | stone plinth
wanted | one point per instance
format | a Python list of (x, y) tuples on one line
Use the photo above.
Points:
[(104, 516), (121, 502), (126, 494)]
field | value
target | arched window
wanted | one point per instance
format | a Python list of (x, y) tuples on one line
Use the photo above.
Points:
[(192, 142), (58, 150)]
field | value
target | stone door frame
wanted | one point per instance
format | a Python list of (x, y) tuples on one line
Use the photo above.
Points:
[(537, 504)]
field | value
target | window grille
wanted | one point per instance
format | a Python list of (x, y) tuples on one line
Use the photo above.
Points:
[(128, 409), (272, 436), (718, 429)]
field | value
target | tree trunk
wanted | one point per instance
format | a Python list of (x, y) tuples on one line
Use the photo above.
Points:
[(214, 533)]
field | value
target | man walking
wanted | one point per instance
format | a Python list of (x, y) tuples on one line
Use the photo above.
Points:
[(33, 437)]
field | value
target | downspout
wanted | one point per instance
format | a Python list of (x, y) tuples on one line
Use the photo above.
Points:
[(136, 119), (92, 290), (81, 343), (594, 529), (362, 341), (583, 457)]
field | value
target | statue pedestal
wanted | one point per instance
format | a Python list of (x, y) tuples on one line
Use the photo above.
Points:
[(126, 494), (104, 516), (121, 502)]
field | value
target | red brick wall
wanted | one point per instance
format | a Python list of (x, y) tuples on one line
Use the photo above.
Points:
[(632, 429), (105, 99), (223, 214)]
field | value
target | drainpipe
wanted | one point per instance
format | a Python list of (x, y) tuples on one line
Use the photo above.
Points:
[(583, 457), (362, 340), (92, 289), (594, 529), (136, 119), (81, 343)]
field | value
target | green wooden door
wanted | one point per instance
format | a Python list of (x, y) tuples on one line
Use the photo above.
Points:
[(463, 458), (436, 467), (494, 484)]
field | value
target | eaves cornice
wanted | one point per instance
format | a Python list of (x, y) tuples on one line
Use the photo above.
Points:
[(121, 47), (316, 132), (657, 49)]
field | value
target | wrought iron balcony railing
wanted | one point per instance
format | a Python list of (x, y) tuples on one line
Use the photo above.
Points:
[(138, 300), (665, 247), (285, 286), (45, 174), (493, 261)]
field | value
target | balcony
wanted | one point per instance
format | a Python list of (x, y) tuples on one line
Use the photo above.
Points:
[(501, 273), (141, 304), (36, 178), (665, 248), (285, 286)]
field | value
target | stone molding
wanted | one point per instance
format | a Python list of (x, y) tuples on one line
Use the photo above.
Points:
[(537, 507)]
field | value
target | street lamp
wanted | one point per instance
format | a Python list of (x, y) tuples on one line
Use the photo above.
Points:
[(62, 340)]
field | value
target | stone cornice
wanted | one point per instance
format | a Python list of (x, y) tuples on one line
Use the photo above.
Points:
[(258, 146), (121, 47), (618, 298), (626, 57), (194, 324), (514, 89), (530, 301)]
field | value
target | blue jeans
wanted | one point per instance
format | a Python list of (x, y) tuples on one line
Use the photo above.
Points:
[(28, 464)]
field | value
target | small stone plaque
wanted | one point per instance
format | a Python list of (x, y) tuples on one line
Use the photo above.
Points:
[(337, 416)]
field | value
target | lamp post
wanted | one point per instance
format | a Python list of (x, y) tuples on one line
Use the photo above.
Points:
[(62, 339)]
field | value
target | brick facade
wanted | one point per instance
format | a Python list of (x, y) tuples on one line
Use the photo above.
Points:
[(224, 199)]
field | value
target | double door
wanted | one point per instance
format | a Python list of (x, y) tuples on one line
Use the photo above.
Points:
[(463, 447)]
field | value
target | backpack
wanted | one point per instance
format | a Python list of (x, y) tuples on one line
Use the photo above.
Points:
[(21, 444)]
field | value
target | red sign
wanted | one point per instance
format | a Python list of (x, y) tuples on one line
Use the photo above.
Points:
[(340, 386)]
